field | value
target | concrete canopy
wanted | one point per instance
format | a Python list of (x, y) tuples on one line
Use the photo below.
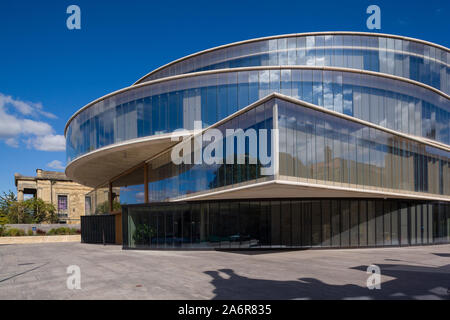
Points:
[(103, 165)]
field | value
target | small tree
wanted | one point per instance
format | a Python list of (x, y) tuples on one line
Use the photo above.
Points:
[(19, 213), (52, 216), (3, 221), (41, 211), (6, 200), (34, 210)]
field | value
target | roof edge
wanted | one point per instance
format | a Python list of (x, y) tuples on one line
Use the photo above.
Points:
[(290, 35)]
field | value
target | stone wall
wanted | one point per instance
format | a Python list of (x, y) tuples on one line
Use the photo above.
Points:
[(40, 239), (75, 196), (48, 186), (44, 227)]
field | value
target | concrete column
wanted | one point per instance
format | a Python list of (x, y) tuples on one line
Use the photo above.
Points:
[(20, 195), (110, 197), (146, 183)]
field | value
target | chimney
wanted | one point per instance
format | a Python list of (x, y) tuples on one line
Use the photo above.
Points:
[(39, 173)]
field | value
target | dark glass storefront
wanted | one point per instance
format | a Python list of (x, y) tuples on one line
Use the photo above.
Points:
[(259, 224)]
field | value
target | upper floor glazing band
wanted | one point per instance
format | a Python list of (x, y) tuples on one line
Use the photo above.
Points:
[(164, 106), (404, 57), (169, 105)]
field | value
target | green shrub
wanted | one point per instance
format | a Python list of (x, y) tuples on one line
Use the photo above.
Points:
[(62, 231), (14, 232), (30, 232), (2, 230)]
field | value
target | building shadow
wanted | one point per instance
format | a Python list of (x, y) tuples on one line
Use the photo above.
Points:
[(409, 282), (444, 255), (253, 252)]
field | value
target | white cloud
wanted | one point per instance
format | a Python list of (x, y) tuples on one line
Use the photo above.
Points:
[(48, 143), (25, 108), (9, 125), (16, 125), (56, 164), (12, 142), (37, 128)]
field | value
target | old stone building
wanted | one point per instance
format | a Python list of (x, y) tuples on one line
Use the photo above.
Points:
[(70, 199)]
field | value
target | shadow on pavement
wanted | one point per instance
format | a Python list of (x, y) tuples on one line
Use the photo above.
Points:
[(24, 272), (410, 282), (445, 255), (259, 251)]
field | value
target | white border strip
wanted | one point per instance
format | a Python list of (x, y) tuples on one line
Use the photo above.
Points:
[(384, 194)]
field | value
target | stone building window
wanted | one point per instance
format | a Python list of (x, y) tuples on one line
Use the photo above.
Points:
[(62, 203), (87, 205)]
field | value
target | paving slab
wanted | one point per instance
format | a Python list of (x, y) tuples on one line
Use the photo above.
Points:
[(39, 271)]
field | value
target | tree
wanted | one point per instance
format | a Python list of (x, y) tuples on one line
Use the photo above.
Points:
[(41, 211), (6, 200), (18, 213), (33, 210)]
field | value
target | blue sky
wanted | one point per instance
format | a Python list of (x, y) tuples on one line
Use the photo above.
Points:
[(47, 72)]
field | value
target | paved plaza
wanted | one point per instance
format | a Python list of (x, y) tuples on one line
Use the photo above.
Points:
[(39, 271)]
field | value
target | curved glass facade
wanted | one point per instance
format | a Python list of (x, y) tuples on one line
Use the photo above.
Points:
[(332, 130), (404, 58), (169, 105)]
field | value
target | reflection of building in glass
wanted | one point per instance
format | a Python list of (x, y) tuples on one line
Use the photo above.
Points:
[(361, 145), (99, 200)]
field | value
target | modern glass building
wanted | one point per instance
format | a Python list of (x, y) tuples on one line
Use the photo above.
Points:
[(337, 139)]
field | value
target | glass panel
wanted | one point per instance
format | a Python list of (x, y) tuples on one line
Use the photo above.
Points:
[(371, 225), (316, 223), (275, 223), (404, 225), (354, 222), (326, 223), (363, 223), (419, 224), (387, 224), (296, 223), (306, 223), (335, 223), (286, 223), (345, 223), (412, 229)]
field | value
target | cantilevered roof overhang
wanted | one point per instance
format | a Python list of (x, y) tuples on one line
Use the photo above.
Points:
[(97, 168)]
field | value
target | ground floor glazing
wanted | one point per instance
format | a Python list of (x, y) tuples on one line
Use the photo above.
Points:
[(290, 223)]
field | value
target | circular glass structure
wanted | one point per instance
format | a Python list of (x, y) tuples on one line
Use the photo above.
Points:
[(356, 115)]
